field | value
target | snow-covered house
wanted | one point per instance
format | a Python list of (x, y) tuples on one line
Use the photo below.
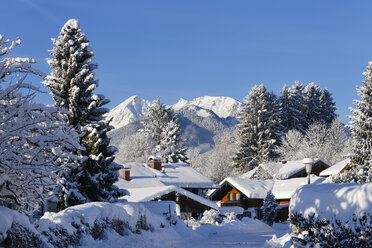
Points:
[(250, 193), (167, 182), (285, 169), (337, 168), (249, 190)]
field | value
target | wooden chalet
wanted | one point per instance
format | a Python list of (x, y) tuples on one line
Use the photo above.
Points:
[(283, 179)]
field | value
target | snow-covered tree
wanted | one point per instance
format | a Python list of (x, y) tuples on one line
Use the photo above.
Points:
[(156, 119), (218, 163), (162, 126), (327, 107), (312, 95), (256, 134), (269, 209), (278, 129), (297, 119), (170, 147), (291, 108), (35, 141), (361, 128), (331, 143), (290, 145), (285, 108), (319, 105), (71, 84), (136, 148)]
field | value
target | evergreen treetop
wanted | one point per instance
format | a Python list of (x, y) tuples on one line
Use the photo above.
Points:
[(256, 133), (161, 124)]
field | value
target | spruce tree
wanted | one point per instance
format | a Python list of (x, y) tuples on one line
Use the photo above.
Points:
[(256, 134), (361, 128), (161, 124), (297, 104), (71, 84), (319, 105), (327, 107), (156, 119), (313, 111), (278, 129), (285, 108), (170, 147), (269, 209)]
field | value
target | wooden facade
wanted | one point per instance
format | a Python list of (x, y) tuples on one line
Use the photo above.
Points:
[(229, 196), (187, 205)]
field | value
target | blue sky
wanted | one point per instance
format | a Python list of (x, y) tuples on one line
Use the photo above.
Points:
[(173, 49)]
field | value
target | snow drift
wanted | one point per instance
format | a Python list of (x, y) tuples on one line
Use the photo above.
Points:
[(332, 201), (332, 215)]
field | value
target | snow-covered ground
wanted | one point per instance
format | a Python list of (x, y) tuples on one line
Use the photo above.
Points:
[(55, 228), (245, 233)]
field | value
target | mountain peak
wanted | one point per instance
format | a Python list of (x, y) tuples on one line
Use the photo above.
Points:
[(221, 105), (128, 111), (134, 107)]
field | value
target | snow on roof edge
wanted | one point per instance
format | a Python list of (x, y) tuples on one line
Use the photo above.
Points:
[(168, 189)]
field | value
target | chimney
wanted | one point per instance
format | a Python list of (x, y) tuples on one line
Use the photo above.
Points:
[(126, 172), (155, 162)]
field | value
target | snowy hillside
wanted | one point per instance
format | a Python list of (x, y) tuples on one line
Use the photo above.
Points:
[(128, 111), (222, 106)]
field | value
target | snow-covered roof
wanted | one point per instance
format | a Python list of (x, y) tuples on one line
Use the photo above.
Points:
[(151, 193), (284, 189), (181, 175), (147, 184), (335, 169), (251, 188), (280, 170), (281, 189)]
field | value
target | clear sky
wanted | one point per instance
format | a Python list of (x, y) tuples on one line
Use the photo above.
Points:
[(191, 48)]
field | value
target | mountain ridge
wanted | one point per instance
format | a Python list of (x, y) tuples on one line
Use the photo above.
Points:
[(134, 107)]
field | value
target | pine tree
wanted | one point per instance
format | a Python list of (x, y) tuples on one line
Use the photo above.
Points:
[(328, 107), (313, 110), (256, 134), (269, 209), (71, 84), (285, 108), (156, 119), (297, 119), (361, 128), (278, 129), (170, 145), (162, 125)]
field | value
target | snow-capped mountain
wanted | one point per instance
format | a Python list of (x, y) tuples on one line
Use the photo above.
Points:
[(202, 119), (134, 107), (128, 111), (222, 106)]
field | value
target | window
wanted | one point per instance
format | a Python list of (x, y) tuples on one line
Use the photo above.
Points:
[(233, 196), (228, 197), (237, 196)]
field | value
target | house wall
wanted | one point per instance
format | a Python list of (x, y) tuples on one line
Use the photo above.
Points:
[(187, 205), (232, 195)]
